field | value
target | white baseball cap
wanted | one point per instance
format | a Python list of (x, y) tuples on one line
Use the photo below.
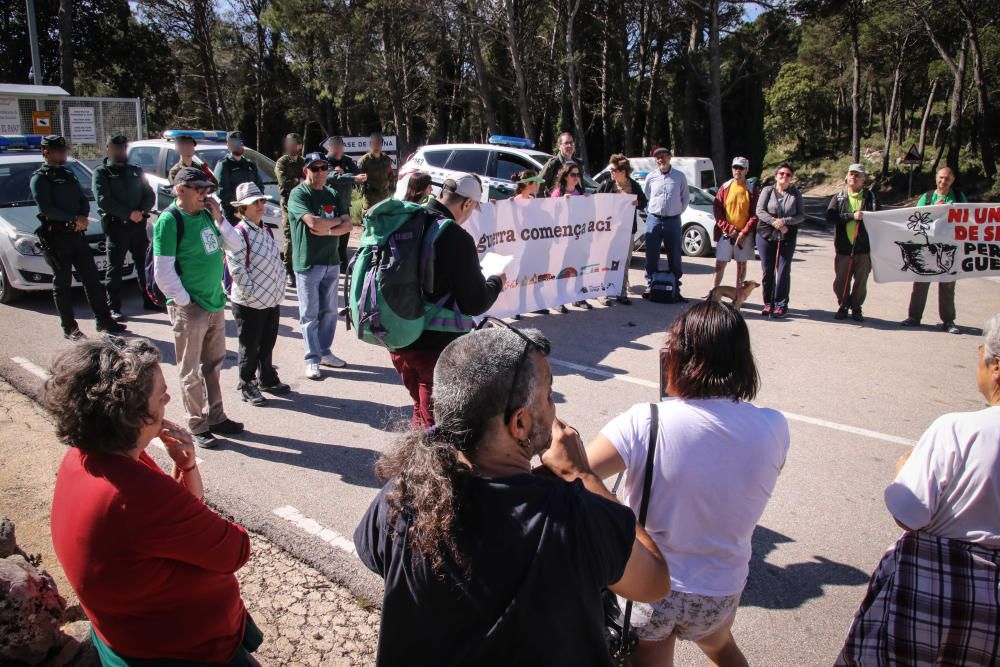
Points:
[(741, 162), (858, 167), (464, 185)]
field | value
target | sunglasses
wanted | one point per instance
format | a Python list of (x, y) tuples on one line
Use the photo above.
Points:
[(739, 168), (199, 190), (317, 167), (784, 173), (490, 322), (574, 174)]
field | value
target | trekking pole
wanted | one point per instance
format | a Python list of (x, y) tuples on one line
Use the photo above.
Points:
[(850, 265), (777, 259)]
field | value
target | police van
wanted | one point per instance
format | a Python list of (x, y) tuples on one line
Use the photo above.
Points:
[(22, 267), (157, 156), (494, 162)]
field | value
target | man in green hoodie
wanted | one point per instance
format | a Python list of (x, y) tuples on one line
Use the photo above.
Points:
[(124, 200)]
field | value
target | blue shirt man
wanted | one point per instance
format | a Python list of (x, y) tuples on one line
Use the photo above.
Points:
[(668, 195)]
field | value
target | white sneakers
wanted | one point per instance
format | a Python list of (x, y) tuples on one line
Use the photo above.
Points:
[(312, 371), (332, 361)]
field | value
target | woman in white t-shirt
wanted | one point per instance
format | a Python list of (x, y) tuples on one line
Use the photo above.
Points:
[(933, 599), (716, 462)]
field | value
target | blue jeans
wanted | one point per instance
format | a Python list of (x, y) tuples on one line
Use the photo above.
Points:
[(776, 267), (662, 232), (317, 289)]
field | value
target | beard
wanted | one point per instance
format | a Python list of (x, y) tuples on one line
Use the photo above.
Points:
[(540, 438)]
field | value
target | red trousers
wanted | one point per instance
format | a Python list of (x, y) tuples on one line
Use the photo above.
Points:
[(416, 367)]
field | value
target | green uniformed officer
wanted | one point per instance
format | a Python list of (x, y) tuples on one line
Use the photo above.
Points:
[(288, 173), (63, 209), (185, 146), (124, 200), (378, 167), (233, 170), (343, 177)]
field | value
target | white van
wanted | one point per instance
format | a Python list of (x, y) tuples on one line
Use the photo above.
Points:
[(699, 171)]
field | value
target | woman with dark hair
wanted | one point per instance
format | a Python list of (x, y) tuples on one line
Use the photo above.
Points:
[(569, 183), (526, 184), (419, 188), (153, 566), (779, 213), (716, 462), (479, 552), (621, 182)]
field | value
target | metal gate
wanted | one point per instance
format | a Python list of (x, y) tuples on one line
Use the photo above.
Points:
[(86, 122)]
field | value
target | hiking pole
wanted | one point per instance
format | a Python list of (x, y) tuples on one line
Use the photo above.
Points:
[(850, 265), (777, 259)]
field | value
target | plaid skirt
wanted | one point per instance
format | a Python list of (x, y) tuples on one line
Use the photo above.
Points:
[(931, 601)]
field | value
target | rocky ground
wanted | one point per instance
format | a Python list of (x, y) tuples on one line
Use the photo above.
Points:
[(306, 618)]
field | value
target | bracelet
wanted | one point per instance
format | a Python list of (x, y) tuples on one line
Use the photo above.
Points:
[(190, 468)]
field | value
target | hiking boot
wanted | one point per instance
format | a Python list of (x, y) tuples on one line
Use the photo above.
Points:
[(73, 334), (111, 327), (583, 304), (562, 310), (856, 315), (204, 440), (117, 316), (949, 327), (228, 427), (910, 322), (841, 313), (278, 388), (250, 393)]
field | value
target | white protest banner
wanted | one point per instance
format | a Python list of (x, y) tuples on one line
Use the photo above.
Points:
[(935, 243), (10, 117), (554, 251), (82, 129)]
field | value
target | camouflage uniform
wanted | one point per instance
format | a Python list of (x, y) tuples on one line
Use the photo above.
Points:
[(288, 172), (380, 179)]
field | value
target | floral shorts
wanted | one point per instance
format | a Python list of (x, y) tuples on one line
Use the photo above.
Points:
[(687, 615)]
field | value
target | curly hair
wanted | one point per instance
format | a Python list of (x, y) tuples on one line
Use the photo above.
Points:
[(708, 355), (620, 162), (520, 176), (472, 380), (99, 392), (564, 174)]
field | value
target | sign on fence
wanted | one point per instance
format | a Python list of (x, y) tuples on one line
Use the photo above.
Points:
[(82, 128), (554, 251), (41, 122), (935, 243), (10, 117), (359, 145)]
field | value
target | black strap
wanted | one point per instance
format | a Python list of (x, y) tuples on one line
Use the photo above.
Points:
[(647, 485)]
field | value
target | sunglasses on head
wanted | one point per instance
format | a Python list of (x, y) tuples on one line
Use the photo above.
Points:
[(318, 167), (490, 322)]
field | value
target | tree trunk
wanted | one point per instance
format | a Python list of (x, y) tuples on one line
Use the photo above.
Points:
[(66, 46), (605, 64), (715, 92), (625, 91), (519, 80), (855, 94), (923, 121), (894, 101), (395, 84), (954, 126), (482, 74), (983, 128), (574, 83), (690, 82), (654, 71)]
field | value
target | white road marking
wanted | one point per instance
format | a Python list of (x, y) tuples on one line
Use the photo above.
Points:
[(313, 527), (846, 428), (32, 368)]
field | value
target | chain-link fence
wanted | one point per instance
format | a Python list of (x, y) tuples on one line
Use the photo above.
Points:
[(86, 122)]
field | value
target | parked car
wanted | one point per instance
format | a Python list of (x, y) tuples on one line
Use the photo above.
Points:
[(157, 156), (22, 267), (494, 162)]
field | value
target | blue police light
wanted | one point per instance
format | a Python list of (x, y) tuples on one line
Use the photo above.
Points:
[(512, 142), (8, 141), (204, 135)]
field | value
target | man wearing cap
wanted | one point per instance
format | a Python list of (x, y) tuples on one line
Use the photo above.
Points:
[(316, 223), (288, 173), (63, 209), (565, 154), (342, 178), (457, 275), (668, 196), (377, 168), (188, 238), (735, 209), (258, 288), (185, 146), (944, 193), (853, 260), (124, 200), (233, 170)]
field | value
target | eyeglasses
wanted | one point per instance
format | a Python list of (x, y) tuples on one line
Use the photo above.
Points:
[(317, 167), (494, 323), (569, 143), (574, 174), (199, 190), (739, 168), (784, 173)]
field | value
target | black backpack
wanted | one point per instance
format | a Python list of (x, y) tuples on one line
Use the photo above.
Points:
[(153, 291)]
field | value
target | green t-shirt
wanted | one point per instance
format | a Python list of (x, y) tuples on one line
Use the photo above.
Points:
[(855, 201), (935, 198), (309, 250), (198, 257)]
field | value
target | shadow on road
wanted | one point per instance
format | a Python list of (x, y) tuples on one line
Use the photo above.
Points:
[(773, 587)]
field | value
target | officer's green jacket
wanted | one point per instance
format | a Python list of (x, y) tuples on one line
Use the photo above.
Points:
[(58, 194), (288, 173), (342, 183), (230, 172), (120, 189), (378, 169)]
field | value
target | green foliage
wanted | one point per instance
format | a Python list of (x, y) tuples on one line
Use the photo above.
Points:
[(795, 101)]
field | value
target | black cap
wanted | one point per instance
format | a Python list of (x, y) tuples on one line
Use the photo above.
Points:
[(294, 136), (118, 140), (53, 141), (193, 177), (235, 135), (314, 157), (185, 137)]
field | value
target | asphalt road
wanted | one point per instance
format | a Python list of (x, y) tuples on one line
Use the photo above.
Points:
[(857, 396)]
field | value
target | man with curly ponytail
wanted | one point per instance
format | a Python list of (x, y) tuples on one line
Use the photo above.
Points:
[(486, 561)]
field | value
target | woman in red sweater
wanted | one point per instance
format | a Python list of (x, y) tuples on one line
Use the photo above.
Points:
[(153, 566)]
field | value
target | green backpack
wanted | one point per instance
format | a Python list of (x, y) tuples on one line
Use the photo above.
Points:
[(392, 273)]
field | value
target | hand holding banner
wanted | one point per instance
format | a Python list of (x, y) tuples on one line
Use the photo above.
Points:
[(935, 243)]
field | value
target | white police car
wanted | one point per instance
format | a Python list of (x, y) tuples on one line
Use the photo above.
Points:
[(22, 267), (156, 156), (494, 162)]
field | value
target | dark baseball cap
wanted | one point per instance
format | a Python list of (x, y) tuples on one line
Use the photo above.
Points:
[(193, 178), (53, 142), (118, 140), (315, 157), (235, 135), (659, 150)]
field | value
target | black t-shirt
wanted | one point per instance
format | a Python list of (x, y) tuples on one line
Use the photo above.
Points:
[(539, 551)]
